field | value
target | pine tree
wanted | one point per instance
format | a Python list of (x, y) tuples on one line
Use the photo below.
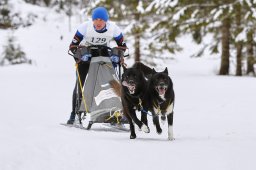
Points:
[(13, 54), (165, 28), (39, 2), (5, 18), (216, 17)]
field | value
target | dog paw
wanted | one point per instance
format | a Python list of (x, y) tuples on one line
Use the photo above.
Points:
[(145, 128), (132, 136), (163, 118), (159, 131), (170, 133)]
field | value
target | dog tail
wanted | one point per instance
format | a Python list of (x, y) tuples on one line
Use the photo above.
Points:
[(116, 86)]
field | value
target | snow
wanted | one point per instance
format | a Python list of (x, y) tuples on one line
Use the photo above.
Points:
[(214, 120)]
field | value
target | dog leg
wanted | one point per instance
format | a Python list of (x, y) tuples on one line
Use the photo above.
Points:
[(156, 120), (156, 123), (144, 118), (145, 128), (127, 115), (170, 126), (141, 125), (163, 118), (133, 134)]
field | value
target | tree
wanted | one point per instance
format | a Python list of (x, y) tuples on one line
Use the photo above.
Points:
[(13, 54), (5, 18), (223, 19), (166, 26), (37, 2), (12, 19)]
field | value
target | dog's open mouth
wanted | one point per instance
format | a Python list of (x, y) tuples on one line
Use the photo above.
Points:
[(130, 86), (161, 90)]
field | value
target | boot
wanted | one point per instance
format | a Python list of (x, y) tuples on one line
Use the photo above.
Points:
[(72, 118)]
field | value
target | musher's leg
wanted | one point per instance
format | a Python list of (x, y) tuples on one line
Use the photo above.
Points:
[(77, 95)]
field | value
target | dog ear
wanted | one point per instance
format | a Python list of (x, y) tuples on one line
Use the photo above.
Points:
[(166, 70), (153, 71)]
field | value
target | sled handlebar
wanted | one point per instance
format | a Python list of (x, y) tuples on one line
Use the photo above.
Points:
[(70, 53), (99, 47)]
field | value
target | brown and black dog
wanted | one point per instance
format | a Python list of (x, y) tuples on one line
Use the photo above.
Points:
[(132, 91)]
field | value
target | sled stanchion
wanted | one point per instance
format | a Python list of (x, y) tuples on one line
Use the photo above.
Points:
[(119, 70), (81, 88)]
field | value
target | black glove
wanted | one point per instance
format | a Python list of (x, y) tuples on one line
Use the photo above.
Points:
[(73, 49)]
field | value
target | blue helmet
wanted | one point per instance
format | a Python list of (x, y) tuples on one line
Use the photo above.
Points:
[(100, 13)]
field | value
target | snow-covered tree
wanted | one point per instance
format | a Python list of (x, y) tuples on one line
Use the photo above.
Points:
[(164, 29), (11, 18), (5, 18), (228, 21), (39, 2), (13, 54)]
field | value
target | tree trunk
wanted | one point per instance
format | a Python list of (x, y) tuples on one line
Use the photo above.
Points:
[(225, 29), (137, 39), (69, 15), (239, 45), (61, 4), (137, 48), (250, 58), (239, 48), (47, 2)]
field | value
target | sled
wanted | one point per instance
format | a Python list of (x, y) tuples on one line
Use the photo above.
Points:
[(96, 98)]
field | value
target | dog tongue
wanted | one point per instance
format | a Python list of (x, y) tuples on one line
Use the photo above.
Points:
[(124, 83), (161, 91), (130, 87)]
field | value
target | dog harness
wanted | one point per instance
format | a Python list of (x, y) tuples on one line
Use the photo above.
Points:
[(157, 106)]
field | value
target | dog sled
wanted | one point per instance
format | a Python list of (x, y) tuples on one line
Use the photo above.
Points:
[(96, 100)]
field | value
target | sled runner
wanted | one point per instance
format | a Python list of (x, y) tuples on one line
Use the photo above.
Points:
[(103, 127), (96, 99)]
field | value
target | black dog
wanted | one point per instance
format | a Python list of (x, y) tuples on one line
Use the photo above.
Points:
[(159, 100), (132, 91)]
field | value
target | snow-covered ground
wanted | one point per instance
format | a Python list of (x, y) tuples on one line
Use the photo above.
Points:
[(214, 121)]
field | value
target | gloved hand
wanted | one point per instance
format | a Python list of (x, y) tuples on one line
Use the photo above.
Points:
[(86, 57), (115, 59), (73, 49)]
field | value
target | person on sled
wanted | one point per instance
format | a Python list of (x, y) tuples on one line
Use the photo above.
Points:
[(99, 31)]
